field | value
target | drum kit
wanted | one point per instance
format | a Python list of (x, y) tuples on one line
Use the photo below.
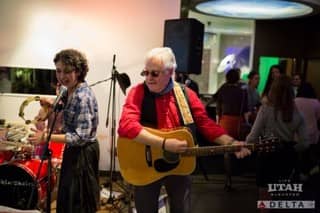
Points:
[(20, 172)]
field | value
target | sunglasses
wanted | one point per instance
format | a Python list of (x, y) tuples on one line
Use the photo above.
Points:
[(153, 73)]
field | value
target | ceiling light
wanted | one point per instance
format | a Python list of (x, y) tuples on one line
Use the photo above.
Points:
[(255, 9)]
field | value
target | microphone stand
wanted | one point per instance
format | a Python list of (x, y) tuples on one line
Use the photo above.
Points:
[(99, 82), (124, 82), (111, 101), (47, 154)]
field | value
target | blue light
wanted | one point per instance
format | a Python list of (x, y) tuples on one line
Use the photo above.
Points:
[(254, 9)]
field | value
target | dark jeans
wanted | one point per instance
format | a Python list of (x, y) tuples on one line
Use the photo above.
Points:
[(177, 188)]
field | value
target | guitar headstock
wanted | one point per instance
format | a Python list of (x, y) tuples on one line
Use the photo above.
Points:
[(267, 144)]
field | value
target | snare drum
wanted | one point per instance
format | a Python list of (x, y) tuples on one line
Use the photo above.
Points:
[(17, 179), (57, 150), (57, 153)]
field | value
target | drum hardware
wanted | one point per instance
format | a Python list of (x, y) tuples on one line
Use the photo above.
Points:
[(16, 133), (46, 155), (5, 147), (14, 150), (18, 150), (18, 155), (23, 155), (14, 146), (6, 156), (10, 151), (57, 153)]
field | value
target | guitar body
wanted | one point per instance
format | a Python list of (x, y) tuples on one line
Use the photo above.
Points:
[(137, 170), (141, 165)]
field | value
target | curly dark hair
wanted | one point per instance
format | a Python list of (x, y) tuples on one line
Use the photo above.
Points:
[(74, 60), (281, 96)]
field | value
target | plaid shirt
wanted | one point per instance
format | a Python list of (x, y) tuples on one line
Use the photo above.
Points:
[(80, 116)]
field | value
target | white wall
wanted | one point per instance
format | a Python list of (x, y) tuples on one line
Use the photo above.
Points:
[(33, 31)]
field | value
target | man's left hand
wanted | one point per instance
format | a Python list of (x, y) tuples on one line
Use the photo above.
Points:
[(243, 152)]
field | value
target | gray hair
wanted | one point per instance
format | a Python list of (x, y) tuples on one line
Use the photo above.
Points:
[(165, 55)]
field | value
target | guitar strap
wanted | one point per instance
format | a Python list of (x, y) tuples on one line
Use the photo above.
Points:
[(183, 105), (148, 113)]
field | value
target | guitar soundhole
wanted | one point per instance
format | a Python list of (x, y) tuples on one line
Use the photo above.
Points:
[(162, 165), (169, 161), (170, 157)]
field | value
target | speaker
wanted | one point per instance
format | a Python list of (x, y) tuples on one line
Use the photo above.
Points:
[(185, 38)]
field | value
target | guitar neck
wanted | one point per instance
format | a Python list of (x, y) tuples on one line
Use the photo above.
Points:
[(215, 150)]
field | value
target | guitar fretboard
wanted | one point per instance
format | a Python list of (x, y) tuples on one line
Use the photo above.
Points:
[(214, 150)]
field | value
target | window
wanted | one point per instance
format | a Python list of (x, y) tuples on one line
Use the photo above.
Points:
[(27, 80)]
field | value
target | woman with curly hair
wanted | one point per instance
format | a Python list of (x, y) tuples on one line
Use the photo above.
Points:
[(79, 184)]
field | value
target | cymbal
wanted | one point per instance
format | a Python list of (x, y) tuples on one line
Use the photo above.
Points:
[(12, 146), (5, 147)]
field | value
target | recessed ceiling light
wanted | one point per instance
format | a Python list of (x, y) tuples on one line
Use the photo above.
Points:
[(255, 9)]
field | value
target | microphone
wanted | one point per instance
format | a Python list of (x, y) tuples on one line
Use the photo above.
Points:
[(113, 62), (62, 92)]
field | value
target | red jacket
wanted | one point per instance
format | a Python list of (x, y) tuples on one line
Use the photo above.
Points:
[(167, 114)]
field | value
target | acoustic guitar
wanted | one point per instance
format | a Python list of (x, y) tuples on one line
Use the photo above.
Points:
[(142, 165)]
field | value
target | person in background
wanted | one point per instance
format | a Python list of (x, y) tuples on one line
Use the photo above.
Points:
[(232, 112), (232, 103), (296, 83), (254, 101), (275, 72), (278, 117), (153, 104), (79, 176), (309, 106), (186, 80)]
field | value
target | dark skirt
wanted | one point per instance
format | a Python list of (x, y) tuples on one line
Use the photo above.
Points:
[(79, 180)]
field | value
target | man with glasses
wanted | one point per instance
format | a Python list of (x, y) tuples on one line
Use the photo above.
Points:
[(154, 103)]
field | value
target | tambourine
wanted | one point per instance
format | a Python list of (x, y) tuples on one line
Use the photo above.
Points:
[(37, 118)]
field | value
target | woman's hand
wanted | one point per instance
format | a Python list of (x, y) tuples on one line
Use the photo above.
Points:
[(48, 102), (37, 137)]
